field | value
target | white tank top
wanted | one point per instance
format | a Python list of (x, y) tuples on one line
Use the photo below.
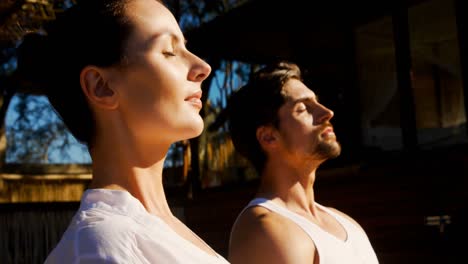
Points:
[(331, 250)]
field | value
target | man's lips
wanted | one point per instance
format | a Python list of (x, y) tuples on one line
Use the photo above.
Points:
[(328, 132)]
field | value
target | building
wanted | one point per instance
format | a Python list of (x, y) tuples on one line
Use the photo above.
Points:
[(395, 74)]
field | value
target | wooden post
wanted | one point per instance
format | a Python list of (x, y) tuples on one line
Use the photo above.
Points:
[(403, 68), (462, 28)]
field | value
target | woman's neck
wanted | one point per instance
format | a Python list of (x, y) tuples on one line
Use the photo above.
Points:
[(122, 169)]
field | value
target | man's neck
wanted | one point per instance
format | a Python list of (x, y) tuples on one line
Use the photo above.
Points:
[(290, 185)]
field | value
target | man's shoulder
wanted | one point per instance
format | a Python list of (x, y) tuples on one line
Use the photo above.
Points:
[(257, 220), (268, 236)]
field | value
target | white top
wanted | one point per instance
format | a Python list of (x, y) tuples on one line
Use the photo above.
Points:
[(112, 226), (356, 249)]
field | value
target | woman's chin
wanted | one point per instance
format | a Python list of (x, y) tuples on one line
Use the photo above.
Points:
[(195, 130)]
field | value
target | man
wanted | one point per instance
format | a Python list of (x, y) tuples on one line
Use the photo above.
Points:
[(278, 124)]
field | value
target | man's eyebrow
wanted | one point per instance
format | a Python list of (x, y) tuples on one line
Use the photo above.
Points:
[(306, 99)]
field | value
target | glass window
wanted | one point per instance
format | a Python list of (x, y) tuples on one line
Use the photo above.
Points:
[(436, 75), (377, 81)]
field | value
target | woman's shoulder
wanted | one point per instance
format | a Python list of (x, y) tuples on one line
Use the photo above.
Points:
[(98, 226), (94, 239), (96, 236)]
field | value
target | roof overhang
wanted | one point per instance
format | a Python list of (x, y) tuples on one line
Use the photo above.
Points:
[(264, 30)]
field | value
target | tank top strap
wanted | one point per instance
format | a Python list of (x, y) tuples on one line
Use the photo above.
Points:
[(307, 226)]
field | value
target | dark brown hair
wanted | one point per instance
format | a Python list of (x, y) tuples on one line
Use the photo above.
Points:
[(257, 104), (92, 32)]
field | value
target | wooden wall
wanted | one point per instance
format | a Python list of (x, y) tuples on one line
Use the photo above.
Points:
[(390, 195)]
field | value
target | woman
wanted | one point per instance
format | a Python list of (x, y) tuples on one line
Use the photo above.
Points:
[(121, 78)]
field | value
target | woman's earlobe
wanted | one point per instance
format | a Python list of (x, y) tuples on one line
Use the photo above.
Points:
[(96, 88)]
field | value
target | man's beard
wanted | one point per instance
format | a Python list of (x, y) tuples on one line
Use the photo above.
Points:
[(328, 149)]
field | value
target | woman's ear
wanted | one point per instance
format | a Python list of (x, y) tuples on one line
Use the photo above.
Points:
[(266, 136), (96, 89)]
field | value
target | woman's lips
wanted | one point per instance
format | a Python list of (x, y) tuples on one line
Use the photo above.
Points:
[(195, 99)]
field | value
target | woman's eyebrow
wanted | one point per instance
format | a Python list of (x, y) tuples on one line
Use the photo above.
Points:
[(174, 38)]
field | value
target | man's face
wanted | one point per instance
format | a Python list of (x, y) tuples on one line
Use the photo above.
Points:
[(304, 124)]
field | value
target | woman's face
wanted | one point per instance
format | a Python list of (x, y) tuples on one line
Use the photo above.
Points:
[(159, 90)]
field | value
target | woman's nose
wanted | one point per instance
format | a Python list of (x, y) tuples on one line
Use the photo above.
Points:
[(200, 70)]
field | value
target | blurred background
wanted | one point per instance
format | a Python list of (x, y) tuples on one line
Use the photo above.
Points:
[(394, 72)]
